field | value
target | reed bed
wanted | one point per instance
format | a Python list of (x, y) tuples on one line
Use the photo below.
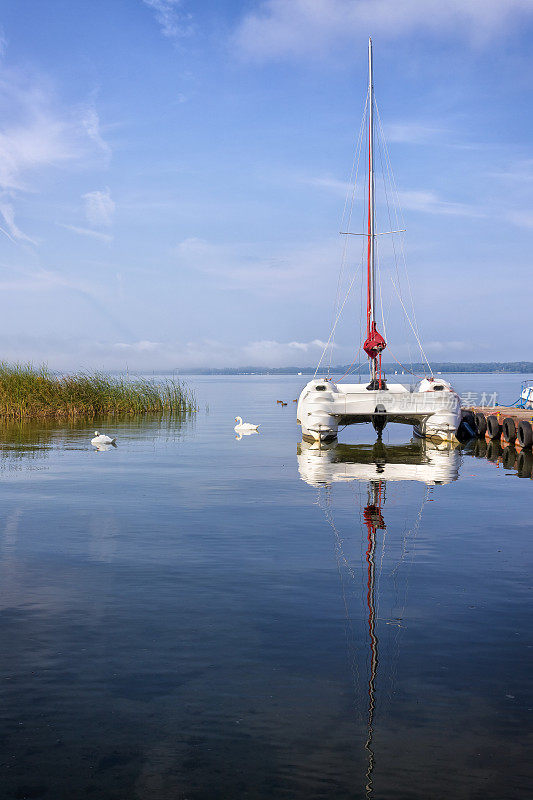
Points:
[(27, 391)]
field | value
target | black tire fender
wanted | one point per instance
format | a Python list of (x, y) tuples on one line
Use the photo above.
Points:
[(509, 430), (493, 427), (525, 433), (481, 424)]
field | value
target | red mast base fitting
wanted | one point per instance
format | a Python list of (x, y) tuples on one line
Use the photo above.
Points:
[(375, 343)]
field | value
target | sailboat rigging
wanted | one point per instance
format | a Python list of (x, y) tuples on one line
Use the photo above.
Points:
[(375, 343), (432, 406)]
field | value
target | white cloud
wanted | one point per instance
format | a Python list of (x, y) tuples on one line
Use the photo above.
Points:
[(174, 24), (37, 133), (144, 346), (99, 208), (208, 353), (330, 184), (91, 123), (429, 202), (144, 354), (523, 219), (38, 280), (104, 237), (287, 270), (280, 28), (412, 132), (42, 141), (423, 200), (306, 346), (446, 347), (8, 213), (518, 172)]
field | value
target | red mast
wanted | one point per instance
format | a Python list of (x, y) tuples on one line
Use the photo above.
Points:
[(375, 343)]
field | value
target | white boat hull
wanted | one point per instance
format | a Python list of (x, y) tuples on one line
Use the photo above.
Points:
[(526, 396), (324, 406)]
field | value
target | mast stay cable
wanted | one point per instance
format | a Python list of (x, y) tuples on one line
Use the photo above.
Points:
[(350, 197)]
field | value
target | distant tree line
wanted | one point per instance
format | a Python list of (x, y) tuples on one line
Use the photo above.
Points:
[(389, 369)]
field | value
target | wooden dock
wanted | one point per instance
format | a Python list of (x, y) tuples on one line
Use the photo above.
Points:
[(506, 425)]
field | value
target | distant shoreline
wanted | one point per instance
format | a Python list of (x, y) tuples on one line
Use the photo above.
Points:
[(487, 368)]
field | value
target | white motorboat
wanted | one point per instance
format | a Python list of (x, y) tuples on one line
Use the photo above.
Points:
[(432, 406), (526, 395)]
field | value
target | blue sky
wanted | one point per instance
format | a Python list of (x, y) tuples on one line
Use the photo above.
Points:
[(173, 175)]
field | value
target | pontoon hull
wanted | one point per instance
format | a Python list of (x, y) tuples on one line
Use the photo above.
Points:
[(324, 406)]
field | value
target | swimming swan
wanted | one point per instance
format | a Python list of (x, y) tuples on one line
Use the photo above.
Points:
[(101, 438), (242, 427)]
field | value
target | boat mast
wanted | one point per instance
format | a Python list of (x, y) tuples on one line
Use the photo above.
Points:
[(371, 202), (375, 343)]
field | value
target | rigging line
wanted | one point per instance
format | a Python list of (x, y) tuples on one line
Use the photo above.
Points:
[(383, 152), (399, 216), (361, 292), (353, 182), (381, 298), (355, 162), (403, 366), (398, 212), (351, 365), (336, 323), (381, 142), (415, 333)]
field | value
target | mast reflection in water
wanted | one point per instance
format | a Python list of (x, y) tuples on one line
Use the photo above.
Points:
[(373, 520), (322, 465)]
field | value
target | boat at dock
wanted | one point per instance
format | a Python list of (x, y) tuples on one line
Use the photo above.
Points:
[(526, 395), (431, 406)]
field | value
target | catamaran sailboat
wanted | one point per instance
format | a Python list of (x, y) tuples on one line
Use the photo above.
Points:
[(431, 406)]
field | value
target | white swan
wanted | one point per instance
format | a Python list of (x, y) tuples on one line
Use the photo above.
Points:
[(244, 427), (101, 438), (102, 448)]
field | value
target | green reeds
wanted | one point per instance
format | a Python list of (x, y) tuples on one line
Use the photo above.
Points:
[(28, 391)]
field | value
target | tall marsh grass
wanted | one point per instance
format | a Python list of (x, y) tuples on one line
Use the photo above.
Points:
[(28, 391)]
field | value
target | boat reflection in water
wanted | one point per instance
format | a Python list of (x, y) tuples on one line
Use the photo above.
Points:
[(422, 460), (323, 465)]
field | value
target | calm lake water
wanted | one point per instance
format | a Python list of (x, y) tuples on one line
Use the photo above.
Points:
[(192, 616)]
